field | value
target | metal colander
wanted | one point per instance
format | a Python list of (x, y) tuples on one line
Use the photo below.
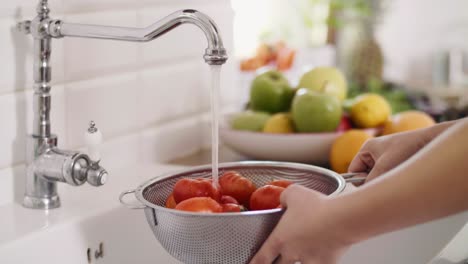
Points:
[(229, 238)]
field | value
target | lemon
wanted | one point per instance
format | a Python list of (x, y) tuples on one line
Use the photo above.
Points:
[(370, 110), (280, 123)]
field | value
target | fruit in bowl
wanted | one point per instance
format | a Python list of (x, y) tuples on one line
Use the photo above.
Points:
[(312, 148), (280, 123), (250, 121), (328, 80), (315, 112), (270, 92), (301, 124)]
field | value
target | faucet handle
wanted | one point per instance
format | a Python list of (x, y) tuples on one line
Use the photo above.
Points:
[(93, 140)]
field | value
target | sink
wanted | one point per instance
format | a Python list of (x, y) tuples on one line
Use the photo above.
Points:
[(415, 245), (91, 217), (124, 234)]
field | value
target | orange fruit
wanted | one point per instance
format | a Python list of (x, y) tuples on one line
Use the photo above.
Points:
[(345, 147), (406, 121)]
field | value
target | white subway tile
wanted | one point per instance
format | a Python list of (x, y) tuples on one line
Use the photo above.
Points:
[(12, 181), (87, 58), (16, 116), (16, 54), (169, 92), (75, 6), (7, 190), (119, 152), (26, 9), (79, 6), (111, 102), (171, 140)]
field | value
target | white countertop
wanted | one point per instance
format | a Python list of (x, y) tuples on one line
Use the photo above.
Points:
[(78, 203)]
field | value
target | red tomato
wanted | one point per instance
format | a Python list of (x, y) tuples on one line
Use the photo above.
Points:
[(280, 183), (189, 188), (233, 184), (226, 199), (266, 197), (200, 205), (170, 202), (232, 208), (345, 124)]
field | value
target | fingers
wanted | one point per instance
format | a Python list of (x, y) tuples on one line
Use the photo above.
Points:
[(269, 250), (376, 172), (284, 259), (362, 162), (291, 193)]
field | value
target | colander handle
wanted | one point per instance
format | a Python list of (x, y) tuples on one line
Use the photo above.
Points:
[(354, 177), (131, 206)]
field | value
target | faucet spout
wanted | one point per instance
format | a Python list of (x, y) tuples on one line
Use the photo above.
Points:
[(215, 54), (46, 164)]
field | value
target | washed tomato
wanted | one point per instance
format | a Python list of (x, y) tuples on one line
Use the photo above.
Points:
[(266, 197), (189, 188), (226, 199), (200, 205), (170, 202), (280, 183), (232, 208), (237, 186)]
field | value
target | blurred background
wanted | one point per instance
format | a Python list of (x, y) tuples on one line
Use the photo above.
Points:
[(412, 52)]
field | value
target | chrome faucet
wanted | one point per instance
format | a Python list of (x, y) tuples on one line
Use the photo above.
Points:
[(47, 164)]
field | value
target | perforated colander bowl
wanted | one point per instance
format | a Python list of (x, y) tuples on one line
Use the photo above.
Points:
[(229, 238)]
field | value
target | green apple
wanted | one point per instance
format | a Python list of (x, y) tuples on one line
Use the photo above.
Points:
[(271, 92), (328, 80), (250, 121), (315, 112)]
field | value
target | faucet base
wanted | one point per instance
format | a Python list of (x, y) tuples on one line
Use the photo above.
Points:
[(41, 203)]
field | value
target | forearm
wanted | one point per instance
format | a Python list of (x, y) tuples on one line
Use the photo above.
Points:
[(430, 185), (432, 132)]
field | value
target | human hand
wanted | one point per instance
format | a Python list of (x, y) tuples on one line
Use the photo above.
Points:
[(307, 233), (382, 154)]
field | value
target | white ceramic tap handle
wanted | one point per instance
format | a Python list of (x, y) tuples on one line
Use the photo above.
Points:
[(93, 140)]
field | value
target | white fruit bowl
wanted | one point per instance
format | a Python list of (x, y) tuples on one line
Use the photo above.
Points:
[(312, 148)]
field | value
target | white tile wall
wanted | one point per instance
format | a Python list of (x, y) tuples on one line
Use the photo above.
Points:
[(146, 98), (25, 8), (169, 92), (110, 101), (16, 52), (176, 139), (88, 58)]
